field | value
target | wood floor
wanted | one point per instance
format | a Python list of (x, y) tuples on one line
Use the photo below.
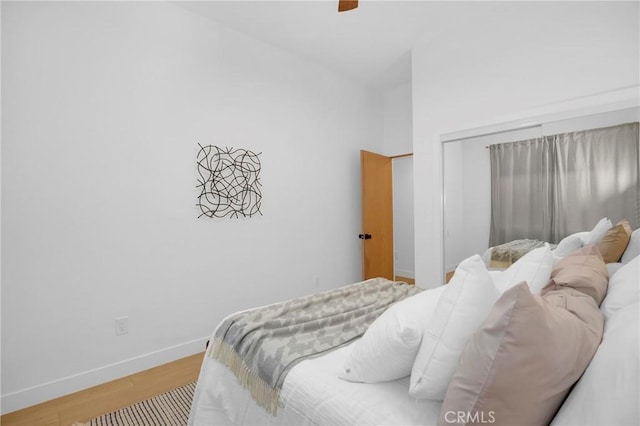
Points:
[(84, 405), (405, 279)]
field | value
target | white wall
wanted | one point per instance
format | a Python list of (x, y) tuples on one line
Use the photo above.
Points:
[(403, 231), (397, 131), (453, 204), (103, 106), (398, 140), (507, 62)]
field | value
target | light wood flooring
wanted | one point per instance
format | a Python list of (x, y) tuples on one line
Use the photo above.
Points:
[(405, 279), (84, 405)]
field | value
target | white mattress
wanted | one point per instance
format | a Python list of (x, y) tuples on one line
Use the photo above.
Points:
[(312, 394)]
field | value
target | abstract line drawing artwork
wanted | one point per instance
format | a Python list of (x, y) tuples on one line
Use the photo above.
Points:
[(229, 182)]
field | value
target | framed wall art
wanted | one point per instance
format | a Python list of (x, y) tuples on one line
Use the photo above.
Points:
[(229, 182)]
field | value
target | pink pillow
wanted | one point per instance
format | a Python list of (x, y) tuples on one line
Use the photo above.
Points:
[(519, 366), (583, 270)]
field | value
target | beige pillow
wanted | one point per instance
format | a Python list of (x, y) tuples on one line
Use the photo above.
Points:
[(613, 244), (519, 366), (583, 270)]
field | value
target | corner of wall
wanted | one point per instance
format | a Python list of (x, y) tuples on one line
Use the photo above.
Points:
[(44, 392)]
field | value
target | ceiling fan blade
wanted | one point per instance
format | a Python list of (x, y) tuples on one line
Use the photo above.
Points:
[(344, 5)]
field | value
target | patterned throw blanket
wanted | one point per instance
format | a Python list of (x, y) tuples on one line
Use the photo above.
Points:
[(508, 253), (260, 346)]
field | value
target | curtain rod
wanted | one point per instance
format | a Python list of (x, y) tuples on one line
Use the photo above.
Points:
[(556, 121), (531, 126), (544, 121), (487, 146)]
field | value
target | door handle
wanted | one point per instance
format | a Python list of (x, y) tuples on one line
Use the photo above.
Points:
[(364, 236)]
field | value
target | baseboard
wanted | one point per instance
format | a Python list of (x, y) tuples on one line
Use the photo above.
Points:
[(47, 391)]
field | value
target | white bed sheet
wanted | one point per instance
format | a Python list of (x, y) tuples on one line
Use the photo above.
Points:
[(312, 394)]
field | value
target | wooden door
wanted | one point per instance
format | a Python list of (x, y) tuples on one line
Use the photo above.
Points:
[(377, 215)]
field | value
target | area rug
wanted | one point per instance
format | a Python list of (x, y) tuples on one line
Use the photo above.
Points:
[(167, 409)]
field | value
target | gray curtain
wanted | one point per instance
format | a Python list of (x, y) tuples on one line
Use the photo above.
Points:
[(521, 190), (596, 176), (550, 187)]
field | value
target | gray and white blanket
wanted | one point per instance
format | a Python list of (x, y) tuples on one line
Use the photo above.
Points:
[(260, 346), (506, 254)]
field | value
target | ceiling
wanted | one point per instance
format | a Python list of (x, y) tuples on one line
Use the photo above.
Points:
[(371, 43)]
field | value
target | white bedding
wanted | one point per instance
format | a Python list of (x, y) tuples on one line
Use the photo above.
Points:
[(312, 394)]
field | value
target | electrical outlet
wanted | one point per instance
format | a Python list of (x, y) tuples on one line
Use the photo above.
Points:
[(316, 282), (122, 326)]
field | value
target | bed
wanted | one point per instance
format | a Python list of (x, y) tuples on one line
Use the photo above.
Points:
[(427, 357)]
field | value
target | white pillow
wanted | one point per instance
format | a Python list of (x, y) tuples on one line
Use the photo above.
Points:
[(465, 303), (633, 248), (495, 274), (612, 268), (624, 288), (598, 231), (570, 243), (534, 268), (388, 348), (607, 393)]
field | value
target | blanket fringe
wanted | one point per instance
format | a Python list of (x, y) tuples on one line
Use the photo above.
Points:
[(266, 396)]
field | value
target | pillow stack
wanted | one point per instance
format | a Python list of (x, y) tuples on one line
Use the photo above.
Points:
[(521, 363), (424, 334), (503, 350), (616, 243), (576, 241)]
